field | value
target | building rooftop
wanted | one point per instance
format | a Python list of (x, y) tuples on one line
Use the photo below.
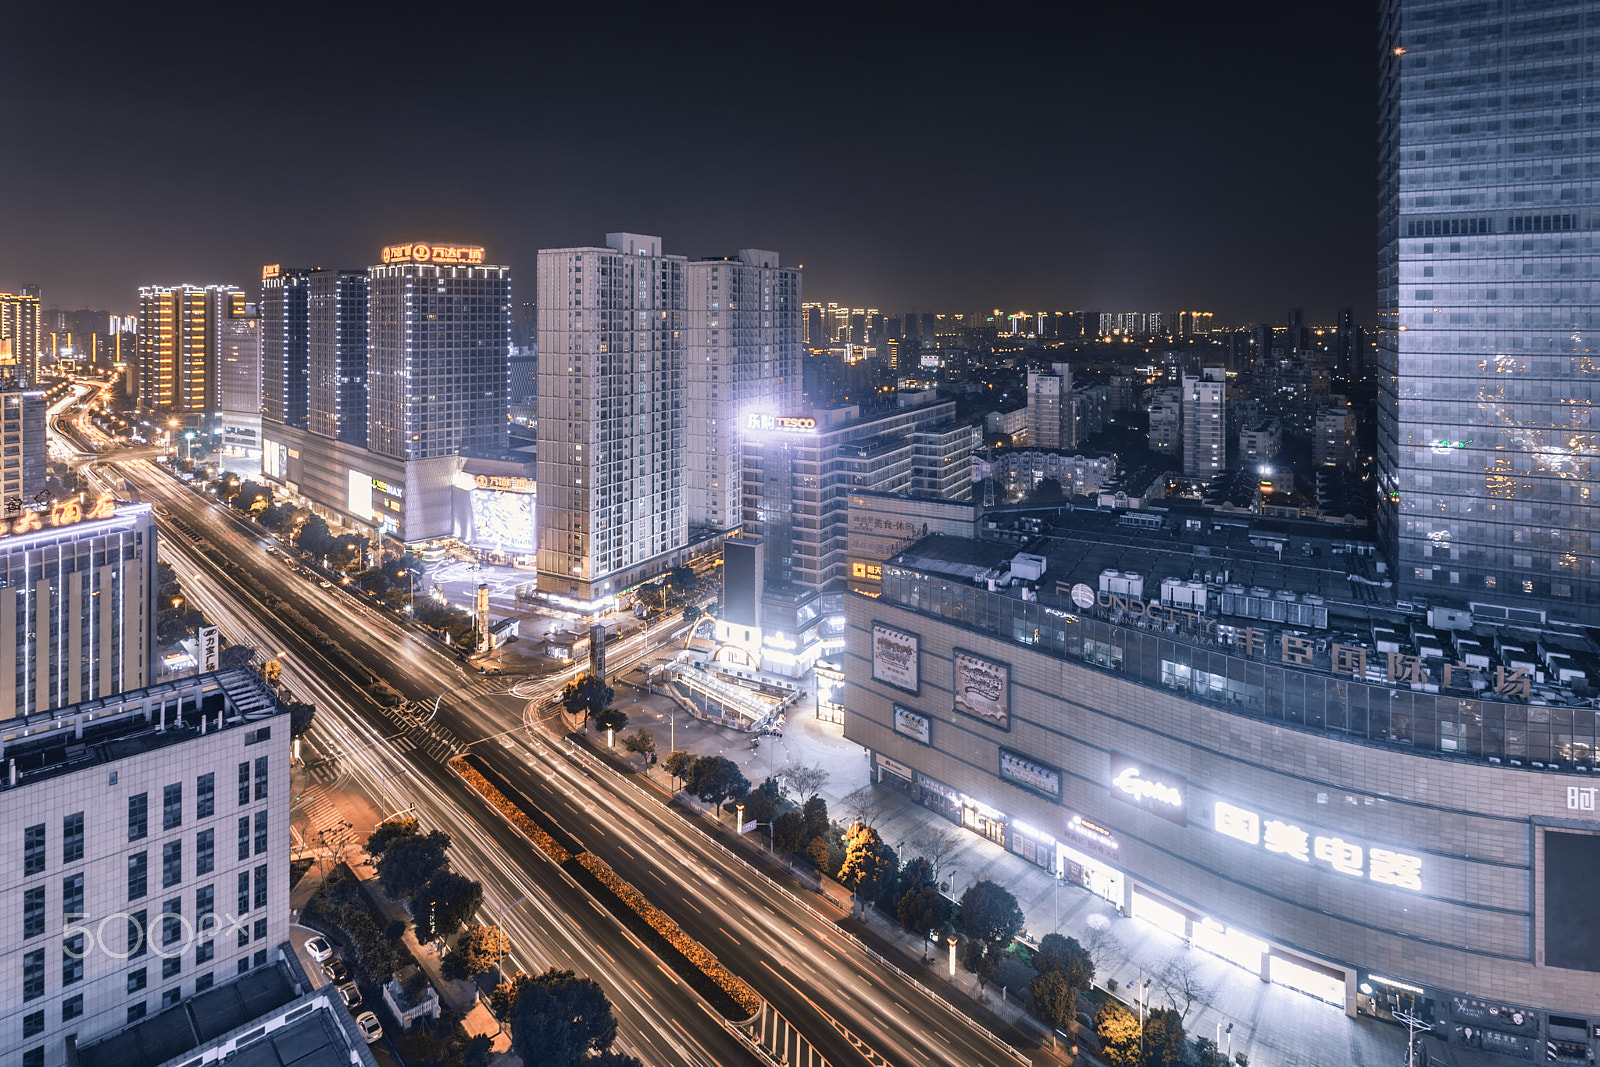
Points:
[(68, 739)]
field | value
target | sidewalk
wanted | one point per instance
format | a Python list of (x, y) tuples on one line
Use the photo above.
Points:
[(1273, 1025)]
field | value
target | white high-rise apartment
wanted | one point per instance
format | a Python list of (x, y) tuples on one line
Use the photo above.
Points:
[(1205, 423), (1050, 405), (744, 345), (146, 858), (612, 434)]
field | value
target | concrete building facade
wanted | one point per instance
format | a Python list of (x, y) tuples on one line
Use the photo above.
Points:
[(1205, 422)]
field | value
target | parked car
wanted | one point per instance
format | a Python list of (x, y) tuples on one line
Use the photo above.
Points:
[(369, 1026), (336, 970), (319, 949), (350, 995)]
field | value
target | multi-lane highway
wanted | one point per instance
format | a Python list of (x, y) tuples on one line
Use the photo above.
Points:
[(850, 1008)]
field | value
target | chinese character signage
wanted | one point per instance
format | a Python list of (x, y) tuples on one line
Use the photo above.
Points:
[(894, 658), (1030, 774), (1156, 791), (1381, 865), (208, 649), (61, 513), (982, 688), (912, 724), (450, 255)]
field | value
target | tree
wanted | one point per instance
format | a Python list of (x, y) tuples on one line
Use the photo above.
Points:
[(916, 874), (441, 906), (1103, 947), (503, 998), (789, 832), (935, 844), (388, 832), (761, 803), (586, 696), (862, 805), (611, 719), (1048, 491), (816, 816), (476, 952), (1181, 979), (864, 865), (1064, 956), (235, 656), (300, 718), (692, 614), (1055, 1000), (407, 864), (679, 763), (682, 580), (990, 914), (806, 782), (922, 910), (561, 1019), (1118, 1032), (652, 595), (1163, 1039), (817, 853), (715, 779), (642, 742)]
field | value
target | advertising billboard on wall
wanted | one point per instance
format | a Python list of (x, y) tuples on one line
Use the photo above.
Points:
[(1156, 791), (895, 658), (913, 724), (982, 688)]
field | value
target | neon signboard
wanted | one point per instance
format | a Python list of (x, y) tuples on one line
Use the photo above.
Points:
[(1381, 865), (785, 423), (61, 513), (449, 255)]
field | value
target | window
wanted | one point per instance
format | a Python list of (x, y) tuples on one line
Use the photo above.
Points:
[(72, 838), (205, 796), (244, 964), (261, 778), (71, 1008), (1103, 654), (171, 921), (172, 806), (244, 892), (260, 959), (260, 930), (137, 980), (72, 952), (261, 886), (171, 864), (138, 869), (244, 782), (33, 850), (33, 975), (244, 936), (205, 851), (244, 838), (261, 832), (138, 820), (33, 911), (34, 1057), (72, 897), (136, 1012), (33, 1024), (170, 998), (202, 983), (137, 923), (204, 951), (172, 966)]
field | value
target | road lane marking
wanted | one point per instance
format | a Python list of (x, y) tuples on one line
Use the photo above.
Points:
[(725, 933), (697, 911)]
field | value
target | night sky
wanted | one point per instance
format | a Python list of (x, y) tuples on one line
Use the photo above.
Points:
[(1150, 159)]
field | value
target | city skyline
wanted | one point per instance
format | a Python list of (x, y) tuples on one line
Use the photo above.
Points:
[(1102, 169)]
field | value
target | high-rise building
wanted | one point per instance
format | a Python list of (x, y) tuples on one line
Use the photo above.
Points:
[(239, 379), (179, 342), (1205, 426), (1486, 331), (612, 434), (1166, 421), (22, 420), (20, 334), (1050, 406), (743, 360), (438, 338), (285, 341), (336, 355), (151, 858)]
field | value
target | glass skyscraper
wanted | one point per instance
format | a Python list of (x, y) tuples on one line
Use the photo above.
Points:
[(1488, 443)]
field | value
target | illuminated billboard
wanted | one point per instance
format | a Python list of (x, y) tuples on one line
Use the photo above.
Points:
[(503, 521), (450, 255)]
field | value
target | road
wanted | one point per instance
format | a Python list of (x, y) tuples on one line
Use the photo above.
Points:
[(850, 1008)]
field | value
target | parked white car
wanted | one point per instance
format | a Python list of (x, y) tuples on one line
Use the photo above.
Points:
[(319, 949), (370, 1027)]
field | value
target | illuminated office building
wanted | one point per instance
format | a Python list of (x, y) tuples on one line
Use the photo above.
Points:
[(1487, 312), (612, 433), (179, 341), (285, 344), (336, 355), (19, 333), (743, 355), (239, 382)]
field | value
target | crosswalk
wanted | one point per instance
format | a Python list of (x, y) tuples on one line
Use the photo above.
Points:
[(327, 825)]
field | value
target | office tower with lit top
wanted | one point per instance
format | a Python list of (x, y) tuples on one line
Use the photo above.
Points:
[(612, 434), (20, 334), (178, 346), (1485, 348), (285, 343), (239, 381), (743, 356), (336, 356)]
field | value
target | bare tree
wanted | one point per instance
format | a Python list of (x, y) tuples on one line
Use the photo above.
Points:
[(807, 782), (1103, 947), (1180, 978), (863, 806), (936, 844)]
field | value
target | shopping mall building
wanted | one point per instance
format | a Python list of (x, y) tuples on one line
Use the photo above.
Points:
[(1232, 730)]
